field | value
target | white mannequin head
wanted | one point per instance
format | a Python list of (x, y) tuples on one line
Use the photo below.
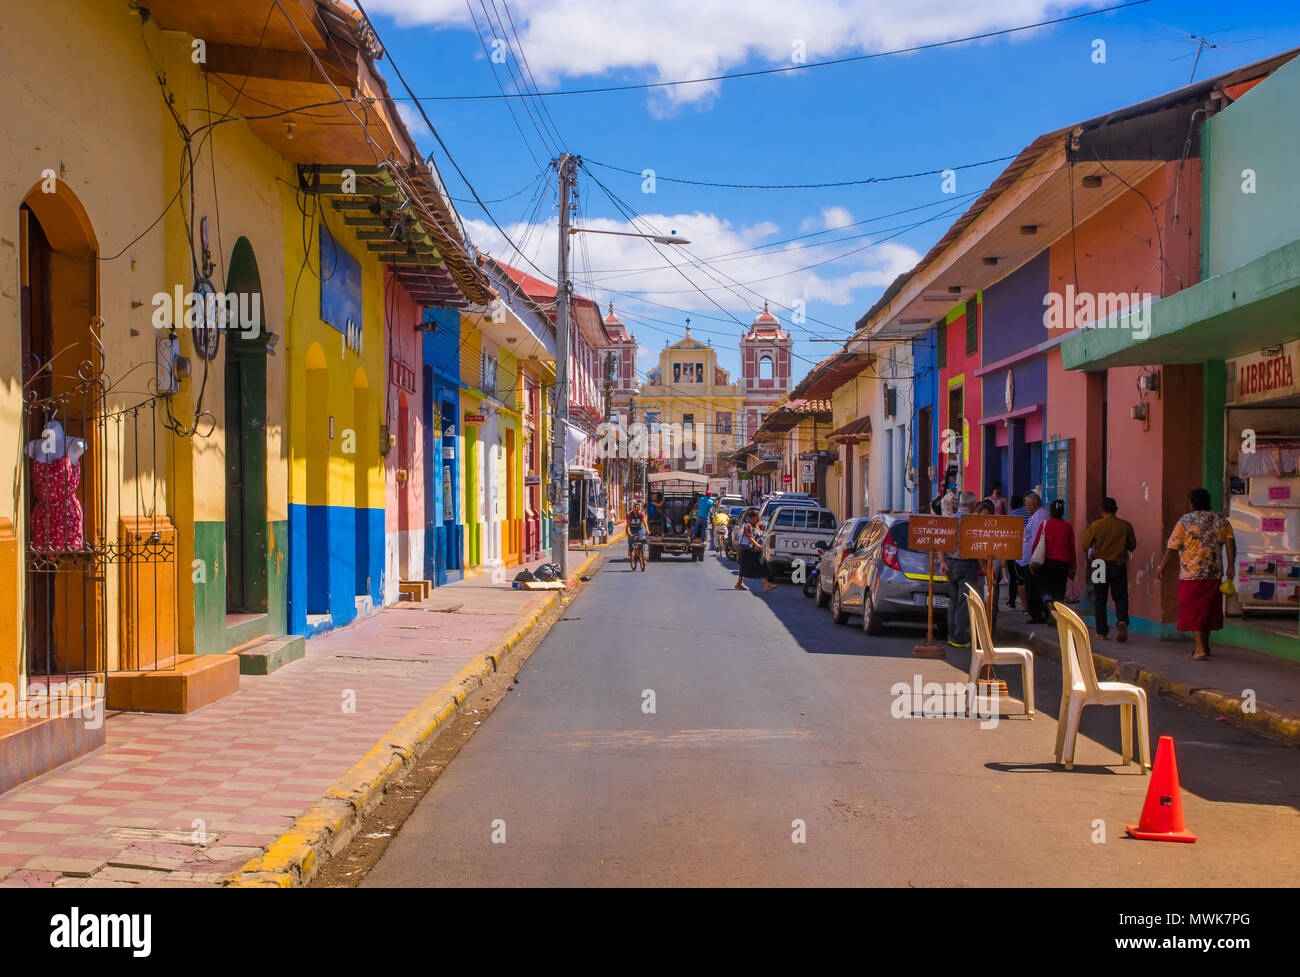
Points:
[(53, 444)]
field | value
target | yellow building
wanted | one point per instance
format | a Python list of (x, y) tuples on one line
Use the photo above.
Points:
[(691, 407)]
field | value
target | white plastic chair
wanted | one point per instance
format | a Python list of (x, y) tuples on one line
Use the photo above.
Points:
[(1079, 688), (983, 652)]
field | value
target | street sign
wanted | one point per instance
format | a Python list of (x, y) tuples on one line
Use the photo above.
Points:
[(932, 533), (787, 479), (807, 471), (991, 537), (474, 418)]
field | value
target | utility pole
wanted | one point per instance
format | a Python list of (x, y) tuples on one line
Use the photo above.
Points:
[(559, 452), (631, 455)]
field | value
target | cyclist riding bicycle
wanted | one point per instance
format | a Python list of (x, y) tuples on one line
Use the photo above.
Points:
[(636, 525)]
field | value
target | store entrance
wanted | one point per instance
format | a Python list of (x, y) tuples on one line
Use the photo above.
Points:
[(1262, 491)]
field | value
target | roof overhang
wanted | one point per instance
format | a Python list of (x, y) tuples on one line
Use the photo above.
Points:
[(854, 432), (1229, 315), (1033, 211), (828, 376)]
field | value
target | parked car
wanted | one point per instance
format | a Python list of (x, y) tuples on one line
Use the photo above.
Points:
[(845, 542), (885, 581), (797, 532), (772, 502)]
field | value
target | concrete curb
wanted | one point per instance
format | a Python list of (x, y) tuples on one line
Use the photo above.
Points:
[(1267, 721), (328, 826)]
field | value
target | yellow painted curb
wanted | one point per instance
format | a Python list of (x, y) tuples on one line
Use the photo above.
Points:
[(326, 828)]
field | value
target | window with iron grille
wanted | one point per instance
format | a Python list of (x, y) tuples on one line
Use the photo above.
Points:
[(972, 327)]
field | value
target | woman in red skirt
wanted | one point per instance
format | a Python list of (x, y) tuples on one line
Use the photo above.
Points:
[(1198, 541)]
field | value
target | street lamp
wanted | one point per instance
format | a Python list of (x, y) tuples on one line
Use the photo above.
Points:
[(656, 238)]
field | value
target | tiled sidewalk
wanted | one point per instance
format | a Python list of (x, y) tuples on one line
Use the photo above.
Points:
[(186, 800)]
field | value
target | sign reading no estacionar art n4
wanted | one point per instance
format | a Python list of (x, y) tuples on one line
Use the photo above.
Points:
[(991, 537), (932, 533)]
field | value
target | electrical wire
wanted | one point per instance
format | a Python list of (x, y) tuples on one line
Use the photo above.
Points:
[(646, 86), (804, 186)]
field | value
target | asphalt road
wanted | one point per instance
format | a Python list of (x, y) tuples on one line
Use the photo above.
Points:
[(770, 724)]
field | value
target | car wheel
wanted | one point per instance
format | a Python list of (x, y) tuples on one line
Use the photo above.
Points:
[(823, 598), (838, 614), (872, 622)]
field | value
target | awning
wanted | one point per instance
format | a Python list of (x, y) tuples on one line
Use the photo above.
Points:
[(832, 373), (1238, 312), (792, 413), (853, 432), (764, 467)]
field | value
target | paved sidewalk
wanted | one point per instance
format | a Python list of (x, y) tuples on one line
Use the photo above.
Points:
[(187, 800), (1216, 687)]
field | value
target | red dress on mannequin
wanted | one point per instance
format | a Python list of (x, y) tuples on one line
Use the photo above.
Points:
[(56, 524)]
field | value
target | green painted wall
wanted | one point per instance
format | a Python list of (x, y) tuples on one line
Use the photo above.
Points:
[(211, 637), (1258, 132)]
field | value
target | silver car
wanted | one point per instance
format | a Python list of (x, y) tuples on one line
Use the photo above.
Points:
[(885, 581), (845, 542)]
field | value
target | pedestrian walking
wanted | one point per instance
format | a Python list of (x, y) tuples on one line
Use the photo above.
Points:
[(950, 503), (1035, 516), (1109, 540), (750, 544), (960, 572), (1059, 555), (1198, 540), (998, 499)]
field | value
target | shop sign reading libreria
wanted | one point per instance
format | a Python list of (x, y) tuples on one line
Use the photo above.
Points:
[(1265, 375)]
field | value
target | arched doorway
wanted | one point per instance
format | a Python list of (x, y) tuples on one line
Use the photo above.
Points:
[(246, 526), (63, 392)]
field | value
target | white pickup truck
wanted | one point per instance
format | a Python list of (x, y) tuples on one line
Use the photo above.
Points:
[(797, 532)]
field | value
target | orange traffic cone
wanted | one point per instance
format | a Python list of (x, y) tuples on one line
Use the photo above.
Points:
[(1162, 813)]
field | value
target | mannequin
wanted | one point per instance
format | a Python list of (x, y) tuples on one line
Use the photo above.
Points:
[(56, 522)]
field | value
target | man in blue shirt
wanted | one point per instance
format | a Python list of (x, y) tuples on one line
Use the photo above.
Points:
[(701, 527), (1037, 516)]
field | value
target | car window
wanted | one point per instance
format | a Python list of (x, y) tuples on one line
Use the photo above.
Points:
[(859, 531), (785, 518), (800, 519), (840, 536), (828, 520), (898, 534)]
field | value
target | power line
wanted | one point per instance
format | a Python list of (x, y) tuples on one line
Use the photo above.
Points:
[(804, 186), (645, 86)]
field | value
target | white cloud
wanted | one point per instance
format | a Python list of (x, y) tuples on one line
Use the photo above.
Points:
[(836, 217), (414, 123), (675, 39)]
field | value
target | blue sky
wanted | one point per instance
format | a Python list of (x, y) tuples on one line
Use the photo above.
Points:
[(905, 114)]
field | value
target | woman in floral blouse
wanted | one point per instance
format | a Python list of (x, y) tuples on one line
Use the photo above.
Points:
[(1198, 541)]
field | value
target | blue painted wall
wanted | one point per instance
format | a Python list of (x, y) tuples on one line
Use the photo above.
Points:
[(443, 541), (1013, 314), (925, 388), (354, 542)]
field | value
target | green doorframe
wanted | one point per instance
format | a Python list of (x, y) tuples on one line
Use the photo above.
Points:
[(1214, 385), (246, 510)]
